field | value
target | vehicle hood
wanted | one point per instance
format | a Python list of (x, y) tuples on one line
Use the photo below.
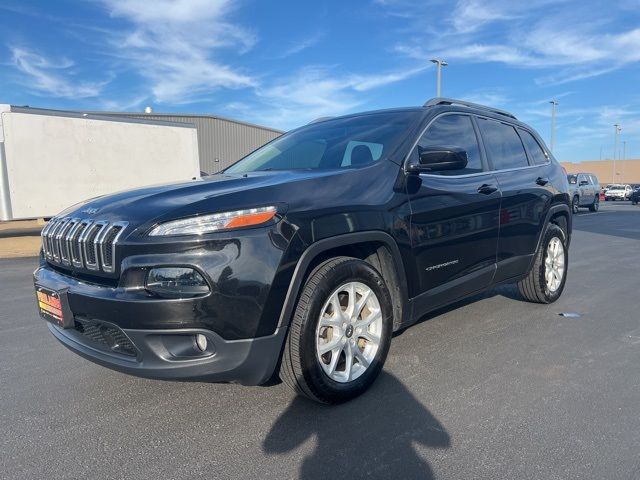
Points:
[(212, 194)]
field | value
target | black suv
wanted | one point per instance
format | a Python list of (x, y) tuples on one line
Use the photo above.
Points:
[(302, 258)]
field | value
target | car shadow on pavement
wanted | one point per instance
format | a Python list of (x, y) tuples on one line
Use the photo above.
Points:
[(377, 435)]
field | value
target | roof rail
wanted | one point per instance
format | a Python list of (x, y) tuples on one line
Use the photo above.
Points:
[(453, 101), (319, 119)]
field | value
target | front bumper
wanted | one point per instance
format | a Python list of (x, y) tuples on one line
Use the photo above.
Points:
[(155, 338), (246, 361)]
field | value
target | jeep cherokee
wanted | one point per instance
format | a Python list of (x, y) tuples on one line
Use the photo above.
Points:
[(304, 257)]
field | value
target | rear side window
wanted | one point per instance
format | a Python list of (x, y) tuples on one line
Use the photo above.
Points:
[(503, 145), (533, 147), (458, 131)]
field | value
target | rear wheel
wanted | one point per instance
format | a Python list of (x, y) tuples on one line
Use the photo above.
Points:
[(595, 206), (340, 333), (545, 282), (575, 204)]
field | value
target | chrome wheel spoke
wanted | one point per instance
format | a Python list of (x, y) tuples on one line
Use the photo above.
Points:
[(329, 346), (362, 360), (335, 356), (369, 337)]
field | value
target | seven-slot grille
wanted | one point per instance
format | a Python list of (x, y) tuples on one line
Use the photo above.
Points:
[(79, 243)]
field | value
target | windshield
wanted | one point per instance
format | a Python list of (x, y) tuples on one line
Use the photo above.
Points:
[(616, 187), (340, 143), (572, 179)]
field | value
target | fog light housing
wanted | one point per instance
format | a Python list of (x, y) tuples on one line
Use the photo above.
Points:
[(176, 282), (201, 342)]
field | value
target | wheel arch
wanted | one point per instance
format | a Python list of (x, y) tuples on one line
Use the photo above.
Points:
[(559, 214), (376, 247)]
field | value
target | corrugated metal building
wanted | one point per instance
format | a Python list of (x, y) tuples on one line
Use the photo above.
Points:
[(221, 141)]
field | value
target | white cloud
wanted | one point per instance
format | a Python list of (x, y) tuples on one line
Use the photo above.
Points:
[(317, 91), (175, 46), (51, 77), (300, 45), (571, 37)]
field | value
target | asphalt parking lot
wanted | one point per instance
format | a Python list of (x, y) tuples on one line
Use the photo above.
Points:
[(492, 388)]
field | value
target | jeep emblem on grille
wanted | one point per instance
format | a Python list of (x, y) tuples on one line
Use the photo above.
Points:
[(89, 211)]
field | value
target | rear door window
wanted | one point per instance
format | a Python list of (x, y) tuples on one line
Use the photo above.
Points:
[(502, 144), (536, 153)]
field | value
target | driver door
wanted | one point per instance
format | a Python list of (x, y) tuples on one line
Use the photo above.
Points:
[(455, 218)]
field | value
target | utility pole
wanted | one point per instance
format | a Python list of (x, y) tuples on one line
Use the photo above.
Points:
[(624, 157), (615, 149), (554, 104), (439, 63)]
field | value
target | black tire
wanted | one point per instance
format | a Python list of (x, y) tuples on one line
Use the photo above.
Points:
[(300, 369), (595, 206), (634, 202), (533, 287), (575, 204)]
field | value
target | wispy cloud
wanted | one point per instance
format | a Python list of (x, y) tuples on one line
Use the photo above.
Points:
[(52, 77), (300, 45), (538, 34), (318, 91), (174, 45)]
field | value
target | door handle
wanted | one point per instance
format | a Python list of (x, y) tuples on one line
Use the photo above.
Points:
[(542, 181), (487, 189)]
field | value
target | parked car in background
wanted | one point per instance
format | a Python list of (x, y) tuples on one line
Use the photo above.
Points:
[(584, 190), (635, 195), (618, 192)]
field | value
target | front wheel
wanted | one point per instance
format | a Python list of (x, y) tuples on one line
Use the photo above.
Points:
[(575, 204), (595, 206), (545, 282), (340, 332)]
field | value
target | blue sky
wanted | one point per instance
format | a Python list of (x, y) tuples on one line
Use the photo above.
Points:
[(284, 63)]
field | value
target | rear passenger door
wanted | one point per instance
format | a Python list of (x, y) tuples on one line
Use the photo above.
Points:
[(585, 188), (454, 218), (526, 192)]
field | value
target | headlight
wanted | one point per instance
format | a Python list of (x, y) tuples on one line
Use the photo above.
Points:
[(215, 222), (176, 282)]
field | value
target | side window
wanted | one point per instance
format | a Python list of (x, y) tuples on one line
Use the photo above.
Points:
[(503, 145), (454, 130), (533, 147)]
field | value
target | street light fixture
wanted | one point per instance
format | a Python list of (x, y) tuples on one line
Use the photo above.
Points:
[(554, 104), (440, 63)]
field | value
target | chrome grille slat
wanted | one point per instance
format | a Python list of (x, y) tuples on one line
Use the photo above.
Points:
[(81, 243), (89, 245)]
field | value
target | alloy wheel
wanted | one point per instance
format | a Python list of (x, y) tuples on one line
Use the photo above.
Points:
[(554, 264), (349, 332)]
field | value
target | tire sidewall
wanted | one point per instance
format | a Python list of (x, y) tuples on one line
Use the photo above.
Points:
[(575, 204), (352, 271), (552, 231)]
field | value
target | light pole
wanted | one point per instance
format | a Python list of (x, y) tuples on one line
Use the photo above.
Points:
[(554, 104), (615, 149), (439, 63), (624, 157)]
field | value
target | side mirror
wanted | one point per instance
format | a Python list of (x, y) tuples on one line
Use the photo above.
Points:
[(438, 158), (584, 182)]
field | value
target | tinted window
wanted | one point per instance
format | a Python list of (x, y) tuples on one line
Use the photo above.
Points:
[(454, 130), (533, 147), (503, 145), (339, 143)]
